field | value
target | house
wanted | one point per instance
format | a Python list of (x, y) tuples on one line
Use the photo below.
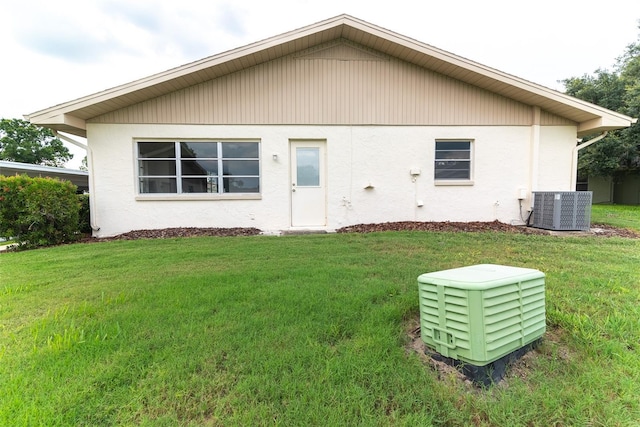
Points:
[(77, 177), (623, 189), (337, 123)]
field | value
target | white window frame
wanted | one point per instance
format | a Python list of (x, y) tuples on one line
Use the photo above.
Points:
[(470, 160), (179, 194)]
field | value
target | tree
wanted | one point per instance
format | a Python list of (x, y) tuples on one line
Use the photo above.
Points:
[(84, 166), (20, 141), (619, 153)]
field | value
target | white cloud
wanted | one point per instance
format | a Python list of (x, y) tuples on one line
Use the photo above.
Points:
[(230, 20), (79, 37)]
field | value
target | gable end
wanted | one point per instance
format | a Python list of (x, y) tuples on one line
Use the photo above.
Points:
[(336, 83), (341, 50)]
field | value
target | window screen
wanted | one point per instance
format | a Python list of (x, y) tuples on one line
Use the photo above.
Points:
[(453, 160)]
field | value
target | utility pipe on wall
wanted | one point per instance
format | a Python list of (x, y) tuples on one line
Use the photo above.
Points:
[(70, 140), (574, 158), (534, 152), (93, 212)]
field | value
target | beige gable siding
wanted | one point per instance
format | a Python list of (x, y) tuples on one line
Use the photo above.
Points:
[(337, 83), (548, 119)]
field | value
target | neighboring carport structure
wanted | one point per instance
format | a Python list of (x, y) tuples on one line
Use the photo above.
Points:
[(77, 177)]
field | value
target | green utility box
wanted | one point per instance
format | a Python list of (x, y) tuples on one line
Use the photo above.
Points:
[(480, 313)]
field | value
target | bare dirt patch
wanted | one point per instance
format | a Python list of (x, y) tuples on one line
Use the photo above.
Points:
[(551, 347), (442, 369)]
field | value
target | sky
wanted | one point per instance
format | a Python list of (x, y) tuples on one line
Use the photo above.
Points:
[(58, 51)]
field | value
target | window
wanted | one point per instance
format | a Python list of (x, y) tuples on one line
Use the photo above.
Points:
[(215, 167), (453, 160)]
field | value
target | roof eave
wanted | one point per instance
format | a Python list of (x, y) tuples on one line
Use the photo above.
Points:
[(604, 123), (18, 166), (61, 122), (71, 117)]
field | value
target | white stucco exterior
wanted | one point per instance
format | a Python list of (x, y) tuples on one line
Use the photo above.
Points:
[(380, 157)]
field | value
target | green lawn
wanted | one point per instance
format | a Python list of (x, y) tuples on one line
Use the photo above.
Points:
[(624, 216), (302, 330)]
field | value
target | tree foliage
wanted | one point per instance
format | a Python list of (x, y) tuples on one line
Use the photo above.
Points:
[(617, 90), (20, 141)]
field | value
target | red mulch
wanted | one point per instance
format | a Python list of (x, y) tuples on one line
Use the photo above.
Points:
[(466, 227), (493, 226), (167, 233), (447, 226)]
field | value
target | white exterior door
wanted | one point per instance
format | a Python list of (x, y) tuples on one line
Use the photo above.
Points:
[(308, 184)]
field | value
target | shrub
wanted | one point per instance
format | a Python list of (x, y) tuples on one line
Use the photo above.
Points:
[(84, 216), (38, 211)]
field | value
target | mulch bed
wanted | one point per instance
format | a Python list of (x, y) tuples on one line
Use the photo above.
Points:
[(462, 227), (478, 226), (608, 231), (168, 233)]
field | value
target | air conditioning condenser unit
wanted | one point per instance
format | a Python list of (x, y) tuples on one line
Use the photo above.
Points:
[(481, 317), (562, 210)]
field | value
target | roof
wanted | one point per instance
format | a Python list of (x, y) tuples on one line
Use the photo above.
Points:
[(77, 177), (71, 116)]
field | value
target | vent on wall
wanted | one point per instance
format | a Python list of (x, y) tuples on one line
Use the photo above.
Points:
[(562, 210)]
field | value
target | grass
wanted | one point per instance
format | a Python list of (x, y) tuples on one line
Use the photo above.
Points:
[(302, 330), (624, 216)]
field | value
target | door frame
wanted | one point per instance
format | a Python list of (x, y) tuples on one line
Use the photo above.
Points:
[(322, 204)]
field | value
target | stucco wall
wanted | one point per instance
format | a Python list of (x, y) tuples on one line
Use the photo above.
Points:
[(356, 157), (555, 158)]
